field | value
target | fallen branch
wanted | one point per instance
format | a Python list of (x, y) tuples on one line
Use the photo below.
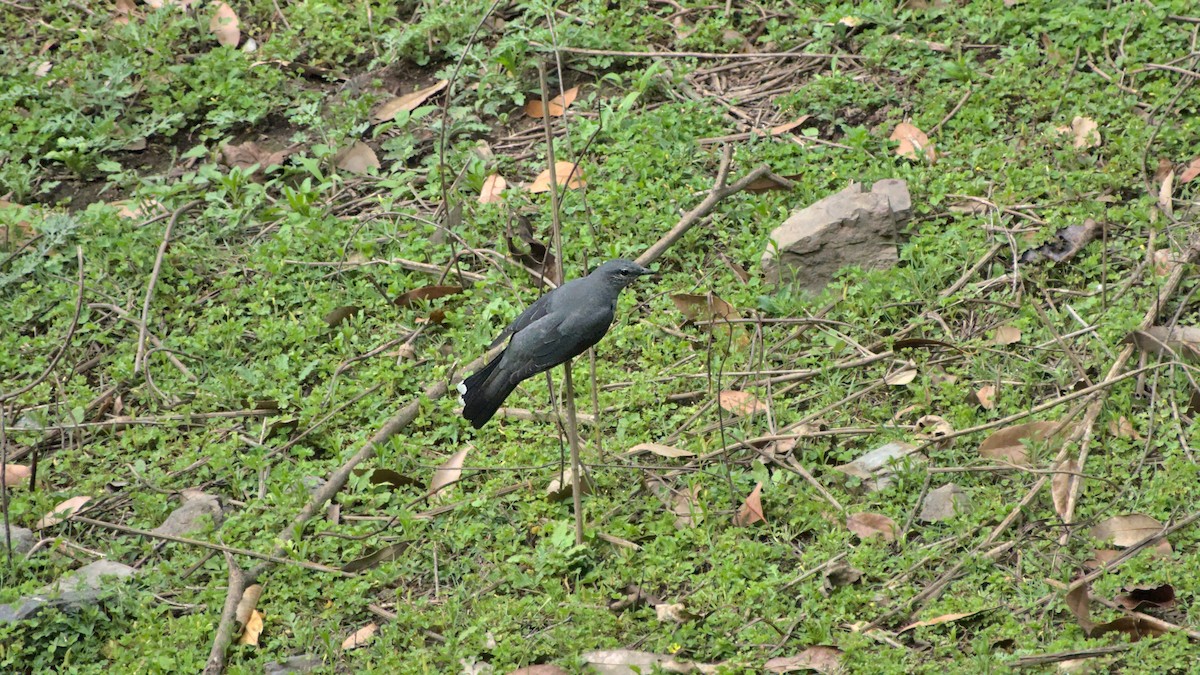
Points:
[(139, 359), (718, 192)]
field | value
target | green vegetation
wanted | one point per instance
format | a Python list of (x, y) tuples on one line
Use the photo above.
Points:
[(111, 130)]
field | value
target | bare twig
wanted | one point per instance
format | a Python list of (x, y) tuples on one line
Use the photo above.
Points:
[(140, 357), (233, 595)]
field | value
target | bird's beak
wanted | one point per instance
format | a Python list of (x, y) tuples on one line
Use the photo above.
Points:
[(647, 272)]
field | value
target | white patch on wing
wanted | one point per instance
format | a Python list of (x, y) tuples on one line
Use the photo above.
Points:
[(462, 389)]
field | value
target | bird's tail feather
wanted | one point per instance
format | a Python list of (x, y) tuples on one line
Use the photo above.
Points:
[(482, 394)]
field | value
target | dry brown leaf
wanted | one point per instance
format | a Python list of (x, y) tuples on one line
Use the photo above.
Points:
[(867, 525), (660, 450), (1161, 597), (565, 173), (562, 486), (1190, 171), (1125, 531), (493, 185), (406, 103), (1104, 556), (900, 377), (784, 128), (16, 474), (740, 402), (838, 575), (1006, 444), (358, 158), (1163, 262), (1165, 189), (377, 557), (249, 154), (984, 397), (1077, 601), (449, 472), (1135, 627), (751, 510), (360, 637), (945, 618), (540, 669), (738, 271), (629, 661), (675, 612), (1182, 341), (253, 628), (224, 25), (707, 307), (877, 467), (819, 659), (248, 602), (1060, 486), (933, 427), (425, 294), (1085, 133), (913, 143), (63, 511), (1123, 428), (557, 107), (334, 317), (685, 504), (1007, 335)]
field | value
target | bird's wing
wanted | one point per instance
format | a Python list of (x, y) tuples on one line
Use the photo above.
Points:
[(553, 339), (531, 314)]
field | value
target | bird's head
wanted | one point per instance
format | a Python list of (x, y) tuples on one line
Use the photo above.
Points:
[(620, 272)]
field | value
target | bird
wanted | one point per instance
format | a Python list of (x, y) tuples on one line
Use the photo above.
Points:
[(556, 328)]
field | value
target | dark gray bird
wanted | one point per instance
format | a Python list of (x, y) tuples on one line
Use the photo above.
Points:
[(561, 325)]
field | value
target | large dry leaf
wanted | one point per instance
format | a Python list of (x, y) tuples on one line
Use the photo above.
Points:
[(562, 486), (1066, 244), (253, 628), (944, 503), (877, 468), (1121, 427), (867, 525), (360, 637), (1007, 335), (540, 669), (674, 612), (199, 511), (557, 106), (406, 103), (819, 659), (449, 472), (913, 143), (334, 317), (358, 158), (1190, 171), (685, 504), (707, 307), (1161, 597), (16, 474), (1182, 341), (425, 294), (63, 511), (902, 376), (1060, 485), (660, 450), (376, 558), (224, 25), (565, 173), (840, 574), (1077, 602), (1125, 531), (249, 154), (630, 661), (248, 602), (984, 397), (945, 618), (740, 402), (751, 510), (1084, 131), (1006, 445), (493, 185)]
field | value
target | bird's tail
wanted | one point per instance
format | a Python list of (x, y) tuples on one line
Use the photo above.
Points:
[(482, 394)]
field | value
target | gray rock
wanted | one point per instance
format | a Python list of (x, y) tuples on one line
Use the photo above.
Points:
[(22, 541), (854, 227), (944, 503), (199, 511), (301, 663), (84, 586)]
